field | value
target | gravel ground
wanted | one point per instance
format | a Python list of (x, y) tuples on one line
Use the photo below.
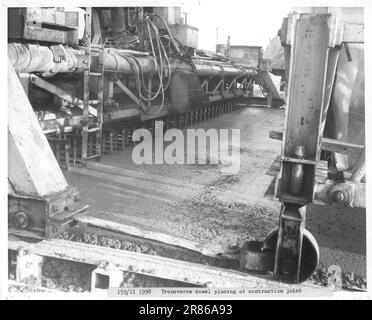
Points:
[(349, 280)]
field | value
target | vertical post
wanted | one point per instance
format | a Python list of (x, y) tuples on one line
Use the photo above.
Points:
[(87, 37), (311, 59), (228, 47), (216, 38), (100, 99)]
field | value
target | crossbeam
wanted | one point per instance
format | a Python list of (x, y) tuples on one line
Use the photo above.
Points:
[(61, 93), (150, 265)]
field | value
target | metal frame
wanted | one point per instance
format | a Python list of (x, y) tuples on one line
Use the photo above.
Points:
[(312, 44)]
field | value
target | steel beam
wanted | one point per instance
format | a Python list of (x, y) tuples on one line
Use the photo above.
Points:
[(60, 93), (33, 169), (314, 41), (150, 265)]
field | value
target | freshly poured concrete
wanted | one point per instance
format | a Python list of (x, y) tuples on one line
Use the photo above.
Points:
[(198, 203)]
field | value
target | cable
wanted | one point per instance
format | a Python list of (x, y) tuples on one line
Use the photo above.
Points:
[(159, 69), (165, 56), (169, 32), (161, 58)]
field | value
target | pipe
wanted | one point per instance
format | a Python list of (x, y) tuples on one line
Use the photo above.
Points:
[(34, 58), (118, 21), (116, 62), (223, 71)]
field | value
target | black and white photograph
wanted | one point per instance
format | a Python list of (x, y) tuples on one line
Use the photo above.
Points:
[(185, 150)]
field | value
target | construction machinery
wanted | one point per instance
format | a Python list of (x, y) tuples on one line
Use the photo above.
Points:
[(323, 143), (129, 65), (72, 99), (89, 95)]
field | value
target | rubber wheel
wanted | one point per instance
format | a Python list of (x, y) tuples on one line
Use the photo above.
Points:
[(309, 255)]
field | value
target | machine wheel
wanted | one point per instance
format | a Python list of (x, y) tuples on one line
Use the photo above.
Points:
[(309, 255)]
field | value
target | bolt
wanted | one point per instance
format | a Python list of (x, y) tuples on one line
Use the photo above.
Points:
[(338, 196), (21, 219), (55, 208)]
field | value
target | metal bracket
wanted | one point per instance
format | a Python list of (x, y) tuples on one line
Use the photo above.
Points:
[(45, 216)]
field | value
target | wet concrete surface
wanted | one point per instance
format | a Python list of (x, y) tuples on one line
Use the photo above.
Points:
[(199, 203)]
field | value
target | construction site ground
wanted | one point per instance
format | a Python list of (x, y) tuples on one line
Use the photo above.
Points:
[(200, 204)]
